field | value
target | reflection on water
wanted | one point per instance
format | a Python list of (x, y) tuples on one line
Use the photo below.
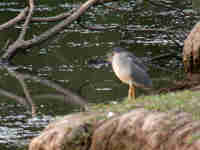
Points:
[(73, 59), (16, 125)]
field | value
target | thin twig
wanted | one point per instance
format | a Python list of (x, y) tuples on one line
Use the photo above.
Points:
[(161, 68), (19, 99), (71, 96), (20, 78), (97, 27), (55, 96), (6, 44), (28, 96), (116, 9), (162, 56), (163, 4), (174, 41)]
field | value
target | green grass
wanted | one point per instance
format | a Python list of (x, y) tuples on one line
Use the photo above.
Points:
[(185, 101), (194, 137)]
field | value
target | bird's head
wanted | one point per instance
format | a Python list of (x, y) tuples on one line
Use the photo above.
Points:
[(114, 51), (109, 57)]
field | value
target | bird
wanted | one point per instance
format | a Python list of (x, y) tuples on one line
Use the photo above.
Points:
[(130, 70)]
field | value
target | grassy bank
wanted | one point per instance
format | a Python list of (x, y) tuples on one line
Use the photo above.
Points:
[(185, 101)]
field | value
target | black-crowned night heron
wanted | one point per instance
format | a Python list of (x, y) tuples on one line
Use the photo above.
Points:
[(130, 70)]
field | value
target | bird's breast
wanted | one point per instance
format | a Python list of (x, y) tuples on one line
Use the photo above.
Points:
[(121, 71)]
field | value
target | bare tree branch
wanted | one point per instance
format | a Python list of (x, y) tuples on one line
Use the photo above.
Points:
[(11, 51), (71, 96), (19, 99), (28, 96), (20, 41), (51, 19), (6, 44), (20, 78), (66, 96), (28, 18), (56, 96), (15, 20), (22, 15)]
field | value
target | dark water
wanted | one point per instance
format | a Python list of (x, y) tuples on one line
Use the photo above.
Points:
[(71, 58)]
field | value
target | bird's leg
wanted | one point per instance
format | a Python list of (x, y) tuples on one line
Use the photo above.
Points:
[(131, 92)]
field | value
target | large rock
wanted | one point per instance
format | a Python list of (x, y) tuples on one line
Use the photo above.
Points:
[(72, 132), (191, 53), (139, 129)]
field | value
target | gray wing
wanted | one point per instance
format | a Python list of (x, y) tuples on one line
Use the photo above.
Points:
[(140, 76), (137, 70), (136, 60)]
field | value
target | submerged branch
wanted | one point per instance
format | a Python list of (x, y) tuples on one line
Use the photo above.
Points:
[(63, 94), (67, 93), (18, 99), (25, 89)]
